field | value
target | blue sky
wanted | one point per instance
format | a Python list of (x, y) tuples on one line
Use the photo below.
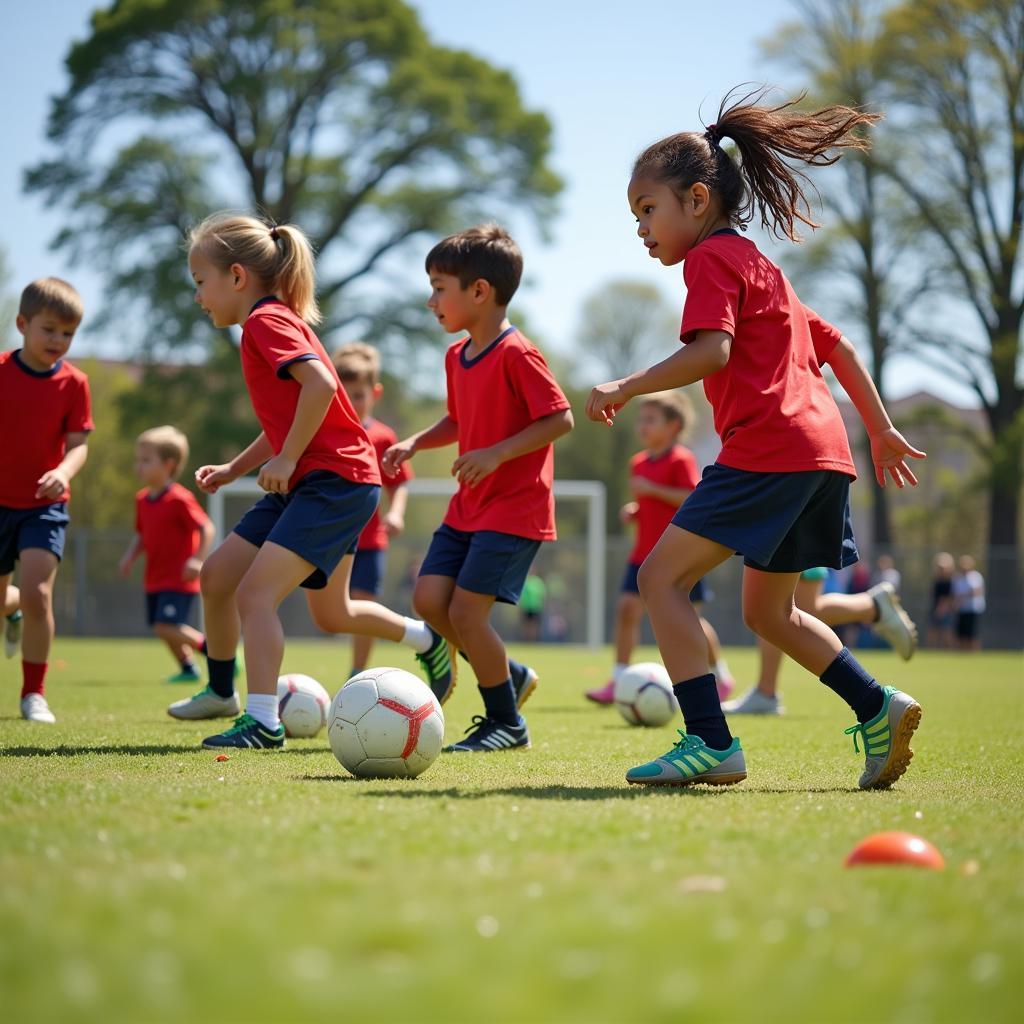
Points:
[(612, 75)]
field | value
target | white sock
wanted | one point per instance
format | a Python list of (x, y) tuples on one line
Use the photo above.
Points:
[(722, 669), (620, 667), (417, 636), (263, 707)]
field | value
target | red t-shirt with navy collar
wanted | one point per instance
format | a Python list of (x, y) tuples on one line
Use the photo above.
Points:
[(491, 397), (38, 409), (673, 468), (374, 537), (274, 337), (169, 525), (772, 408)]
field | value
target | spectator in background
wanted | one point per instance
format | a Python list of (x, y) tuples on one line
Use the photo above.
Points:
[(969, 599), (943, 612), (531, 608), (886, 572)]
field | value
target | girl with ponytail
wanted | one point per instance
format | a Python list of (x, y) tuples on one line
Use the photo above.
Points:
[(778, 493), (319, 470)]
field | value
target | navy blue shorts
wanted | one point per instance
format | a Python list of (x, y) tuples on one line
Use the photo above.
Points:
[(368, 570), (779, 522), (319, 520), (630, 585), (43, 527), (171, 606), (483, 561)]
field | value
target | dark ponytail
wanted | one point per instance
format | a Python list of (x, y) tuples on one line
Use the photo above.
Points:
[(765, 138)]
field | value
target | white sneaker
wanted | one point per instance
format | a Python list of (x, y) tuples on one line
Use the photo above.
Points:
[(12, 636), (35, 709), (206, 704), (894, 625), (754, 702)]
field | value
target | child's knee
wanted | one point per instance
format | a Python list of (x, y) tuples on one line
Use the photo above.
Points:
[(467, 614), (36, 599), (251, 598), (766, 620), (214, 582), (428, 603), (165, 630)]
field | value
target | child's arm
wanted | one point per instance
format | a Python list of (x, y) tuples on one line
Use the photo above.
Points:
[(441, 434), (471, 467), (706, 354), (888, 445), (318, 386), (394, 519), (193, 565), (54, 482), (131, 553), (641, 486), (628, 512), (211, 478)]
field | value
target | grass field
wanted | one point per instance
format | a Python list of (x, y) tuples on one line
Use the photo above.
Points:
[(143, 881)]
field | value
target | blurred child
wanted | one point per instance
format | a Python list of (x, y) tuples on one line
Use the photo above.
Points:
[(504, 409), (661, 478), (943, 612), (316, 464), (969, 599), (358, 367), (175, 535), (45, 419), (779, 490)]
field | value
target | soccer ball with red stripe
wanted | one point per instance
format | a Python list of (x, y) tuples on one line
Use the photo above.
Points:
[(385, 723), (302, 704)]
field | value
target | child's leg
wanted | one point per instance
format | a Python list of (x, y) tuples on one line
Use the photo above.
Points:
[(181, 640), (336, 610), (38, 571), (629, 613), (807, 597), (12, 597), (362, 644), (842, 609), (431, 600)]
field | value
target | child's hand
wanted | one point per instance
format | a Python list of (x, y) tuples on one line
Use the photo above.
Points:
[(473, 466), (628, 512), (190, 570), (398, 453), (210, 479), (888, 448), (275, 474), (605, 401), (52, 484), (393, 524), (124, 567), (640, 486)]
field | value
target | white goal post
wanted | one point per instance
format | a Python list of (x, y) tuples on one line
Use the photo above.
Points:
[(590, 491)]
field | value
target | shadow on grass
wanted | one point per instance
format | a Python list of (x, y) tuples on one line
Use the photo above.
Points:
[(574, 793), (140, 750)]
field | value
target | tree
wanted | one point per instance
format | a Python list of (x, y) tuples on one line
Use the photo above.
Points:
[(340, 115), (957, 88)]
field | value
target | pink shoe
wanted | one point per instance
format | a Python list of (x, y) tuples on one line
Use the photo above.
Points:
[(603, 694), (725, 685)]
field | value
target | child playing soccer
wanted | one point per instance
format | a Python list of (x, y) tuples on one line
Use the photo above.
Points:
[(174, 534), (504, 410), (779, 490), (358, 367), (661, 477), (317, 467), (45, 419)]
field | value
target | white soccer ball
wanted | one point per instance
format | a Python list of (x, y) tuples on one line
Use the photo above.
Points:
[(643, 694), (385, 723), (302, 704)]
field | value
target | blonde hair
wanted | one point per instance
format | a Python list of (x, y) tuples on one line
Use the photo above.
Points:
[(169, 443), (280, 255), (673, 405), (52, 295), (357, 362)]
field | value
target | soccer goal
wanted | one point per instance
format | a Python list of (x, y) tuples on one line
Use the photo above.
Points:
[(592, 492)]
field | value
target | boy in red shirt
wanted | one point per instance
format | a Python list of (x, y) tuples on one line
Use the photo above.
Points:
[(661, 477), (44, 403), (504, 409), (175, 535)]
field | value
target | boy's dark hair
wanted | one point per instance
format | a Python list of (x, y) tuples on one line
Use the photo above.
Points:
[(53, 295), (357, 363), (486, 251), (765, 137), (675, 406)]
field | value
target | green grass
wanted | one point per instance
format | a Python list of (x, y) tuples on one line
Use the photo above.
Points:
[(143, 881)]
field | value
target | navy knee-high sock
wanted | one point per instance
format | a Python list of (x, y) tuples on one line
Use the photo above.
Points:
[(702, 711), (855, 685)]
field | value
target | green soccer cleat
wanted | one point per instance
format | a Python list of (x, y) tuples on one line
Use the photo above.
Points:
[(247, 734), (692, 761), (205, 704), (185, 676), (887, 752), (439, 666)]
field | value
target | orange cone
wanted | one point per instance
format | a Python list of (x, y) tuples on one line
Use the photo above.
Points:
[(895, 848)]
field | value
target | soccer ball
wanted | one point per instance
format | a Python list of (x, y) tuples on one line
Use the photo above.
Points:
[(643, 694), (302, 704), (385, 723)]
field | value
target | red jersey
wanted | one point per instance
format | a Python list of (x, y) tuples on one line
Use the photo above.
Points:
[(492, 397), (273, 338), (773, 410), (38, 409), (675, 468), (169, 526), (374, 537)]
